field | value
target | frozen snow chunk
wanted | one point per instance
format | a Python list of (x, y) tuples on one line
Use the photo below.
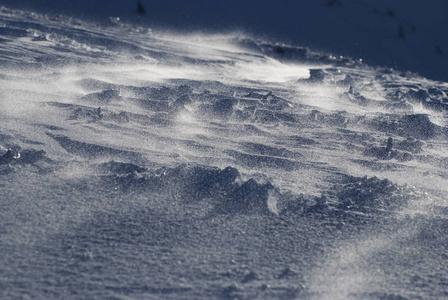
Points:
[(197, 183), (31, 156), (12, 154), (250, 197), (418, 126), (366, 194), (417, 95), (316, 75), (384, 153), (40, 38), (94, 114), (355, 97), (436, 93), (15, 155)]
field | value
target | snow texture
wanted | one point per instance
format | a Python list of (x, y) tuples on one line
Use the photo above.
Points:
[(137, 164)]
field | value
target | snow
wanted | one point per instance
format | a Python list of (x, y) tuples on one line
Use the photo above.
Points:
[(142, 163)]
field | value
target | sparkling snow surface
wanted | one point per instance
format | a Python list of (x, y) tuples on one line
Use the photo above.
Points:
[(139, 165)]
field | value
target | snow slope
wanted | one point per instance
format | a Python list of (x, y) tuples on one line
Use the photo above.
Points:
[(403, 34), (139, 165)]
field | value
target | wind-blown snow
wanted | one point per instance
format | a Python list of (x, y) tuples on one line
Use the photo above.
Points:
[(403, 34), (144, 165)]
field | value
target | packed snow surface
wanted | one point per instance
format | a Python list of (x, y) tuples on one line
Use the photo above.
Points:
[(142, 165)]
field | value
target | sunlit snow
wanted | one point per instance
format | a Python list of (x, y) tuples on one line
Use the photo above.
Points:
[(141, 165)]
